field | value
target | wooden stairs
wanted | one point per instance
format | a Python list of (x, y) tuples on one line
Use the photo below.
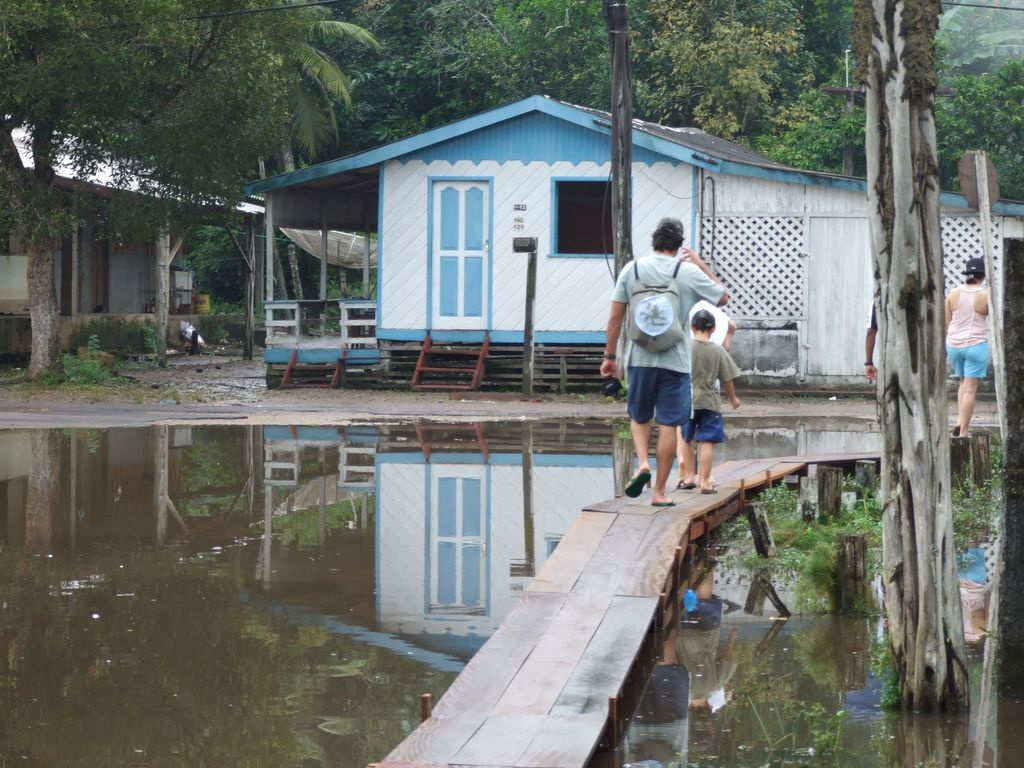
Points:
[(312, 374), (445, 366)]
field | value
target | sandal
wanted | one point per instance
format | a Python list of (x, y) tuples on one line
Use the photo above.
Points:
[(636, 486), (682, 485)]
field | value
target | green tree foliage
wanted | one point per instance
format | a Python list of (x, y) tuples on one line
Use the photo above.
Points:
[(975, 39), (322, 83), (813, 131), (985, 112), (446, 59), (171, 105), (720, 65)]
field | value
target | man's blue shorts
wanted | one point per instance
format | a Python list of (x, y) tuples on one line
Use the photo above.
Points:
[(661, 393), (969, 362), (708, 426)]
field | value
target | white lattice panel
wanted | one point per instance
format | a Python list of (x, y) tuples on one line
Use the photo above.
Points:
[(961, 240), (760, 259)]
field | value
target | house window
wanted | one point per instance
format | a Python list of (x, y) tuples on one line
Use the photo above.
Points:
[(584, 218)]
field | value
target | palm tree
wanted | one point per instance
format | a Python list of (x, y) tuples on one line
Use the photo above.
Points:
[(319, 87)]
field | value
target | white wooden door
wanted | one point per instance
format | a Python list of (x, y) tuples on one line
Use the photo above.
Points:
[(459, 251)]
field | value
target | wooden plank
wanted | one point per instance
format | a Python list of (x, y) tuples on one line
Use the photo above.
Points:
[(621, 545), (542, 676), (646, 577), (500, 740), (564, 742), (572, 554), (603, 669), (435, 742), (489, 672)]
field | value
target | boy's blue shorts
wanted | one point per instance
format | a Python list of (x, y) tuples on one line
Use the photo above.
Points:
[(969, 362), (708, 426), (658, 392)]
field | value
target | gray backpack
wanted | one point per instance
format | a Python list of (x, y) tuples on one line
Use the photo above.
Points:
[(653, 315)]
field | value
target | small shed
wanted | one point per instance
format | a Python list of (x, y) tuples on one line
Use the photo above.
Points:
[(446, 204)]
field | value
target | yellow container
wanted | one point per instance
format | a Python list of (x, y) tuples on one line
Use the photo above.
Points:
[(203, 303)]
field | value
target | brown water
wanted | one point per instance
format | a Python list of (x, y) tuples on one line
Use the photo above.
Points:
[(262, 596)]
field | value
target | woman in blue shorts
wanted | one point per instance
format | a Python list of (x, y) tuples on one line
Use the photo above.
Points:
[(967, 339)]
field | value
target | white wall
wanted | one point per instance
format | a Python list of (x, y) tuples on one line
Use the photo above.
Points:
[(14, 282), (572, 293)]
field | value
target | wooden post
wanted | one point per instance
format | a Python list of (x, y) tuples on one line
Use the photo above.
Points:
[(160, 460), (769, 590), (852, 570), (324, 245), (250, 287), (426, 706), (1011, 584), (996, 289), (366, 264), (761, 531), (808, 498), (959, 459), (268, 248), (865, 473), (754, 604), (830, 489), (617, 16), (531, 296), (981, 458), (163, 248)]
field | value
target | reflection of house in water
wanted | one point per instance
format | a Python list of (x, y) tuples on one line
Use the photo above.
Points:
[(15, 460), (467, 515), (464, 515)]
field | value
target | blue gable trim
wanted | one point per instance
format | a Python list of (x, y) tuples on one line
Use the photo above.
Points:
[(533, 137)]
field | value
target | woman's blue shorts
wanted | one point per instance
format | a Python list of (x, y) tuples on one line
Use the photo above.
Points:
[(969, 362)]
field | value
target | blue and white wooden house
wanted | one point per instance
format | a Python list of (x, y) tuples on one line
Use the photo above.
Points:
[(791, 245)]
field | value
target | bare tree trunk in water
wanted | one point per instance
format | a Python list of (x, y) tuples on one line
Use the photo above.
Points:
[(43, 312), (931, 739), (43, 490), (895, 45)]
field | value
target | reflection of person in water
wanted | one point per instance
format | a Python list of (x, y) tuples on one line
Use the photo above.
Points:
[(658, 736), (697, 649)]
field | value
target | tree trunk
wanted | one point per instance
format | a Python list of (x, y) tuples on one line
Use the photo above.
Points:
[(895, 45), (43, 491), (1011, 588), (43, 312)]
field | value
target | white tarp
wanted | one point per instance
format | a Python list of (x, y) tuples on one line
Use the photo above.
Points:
[(343, 248)]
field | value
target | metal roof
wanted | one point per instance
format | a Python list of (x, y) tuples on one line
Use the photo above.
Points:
[(689, 145)]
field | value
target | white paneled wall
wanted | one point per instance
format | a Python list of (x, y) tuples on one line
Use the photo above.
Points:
[(572, 293)]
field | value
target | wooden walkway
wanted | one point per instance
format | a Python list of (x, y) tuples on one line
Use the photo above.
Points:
[(545, 690)]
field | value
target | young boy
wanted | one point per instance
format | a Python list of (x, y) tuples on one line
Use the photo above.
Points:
[(709, 362)]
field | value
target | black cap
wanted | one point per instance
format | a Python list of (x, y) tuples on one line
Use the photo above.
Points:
[(975, 267)]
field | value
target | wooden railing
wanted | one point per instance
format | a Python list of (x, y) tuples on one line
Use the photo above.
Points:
[(352, 322)]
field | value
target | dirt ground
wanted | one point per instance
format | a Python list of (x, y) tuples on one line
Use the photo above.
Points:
[(223, 388)]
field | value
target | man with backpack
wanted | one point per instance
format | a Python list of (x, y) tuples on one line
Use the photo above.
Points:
[(652, 300)]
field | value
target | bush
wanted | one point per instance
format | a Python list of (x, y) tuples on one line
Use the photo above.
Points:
[(90, 368)]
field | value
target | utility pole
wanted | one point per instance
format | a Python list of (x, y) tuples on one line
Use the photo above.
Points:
[(617, 15)]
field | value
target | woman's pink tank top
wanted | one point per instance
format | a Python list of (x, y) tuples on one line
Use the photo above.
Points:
[(967, 327)]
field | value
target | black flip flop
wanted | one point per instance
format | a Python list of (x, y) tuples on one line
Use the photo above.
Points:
[(681, 486)]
